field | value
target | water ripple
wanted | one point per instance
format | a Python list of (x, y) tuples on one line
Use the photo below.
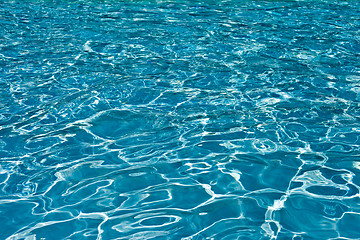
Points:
[(179, 120)]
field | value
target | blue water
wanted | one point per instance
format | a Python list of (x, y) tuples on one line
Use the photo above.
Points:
[(179, 120)]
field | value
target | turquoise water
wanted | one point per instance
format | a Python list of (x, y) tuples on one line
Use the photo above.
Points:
[(179, 120)]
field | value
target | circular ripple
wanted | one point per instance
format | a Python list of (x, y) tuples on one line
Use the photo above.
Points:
[(157, 221), (115, 124), (296, 127), (264, 145)]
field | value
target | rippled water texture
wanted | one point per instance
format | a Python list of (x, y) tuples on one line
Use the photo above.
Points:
[(179, 120)]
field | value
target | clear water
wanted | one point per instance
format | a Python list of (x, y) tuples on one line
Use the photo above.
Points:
[(179, 120)]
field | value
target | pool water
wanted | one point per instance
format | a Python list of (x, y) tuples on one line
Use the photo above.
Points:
[(179, 119)]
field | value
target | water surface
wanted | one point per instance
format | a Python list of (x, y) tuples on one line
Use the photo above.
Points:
[(179, 120)]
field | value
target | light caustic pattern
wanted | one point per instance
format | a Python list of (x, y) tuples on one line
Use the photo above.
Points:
[(179, 120)]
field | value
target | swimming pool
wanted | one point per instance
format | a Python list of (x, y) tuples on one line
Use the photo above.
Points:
[(179, 119)]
